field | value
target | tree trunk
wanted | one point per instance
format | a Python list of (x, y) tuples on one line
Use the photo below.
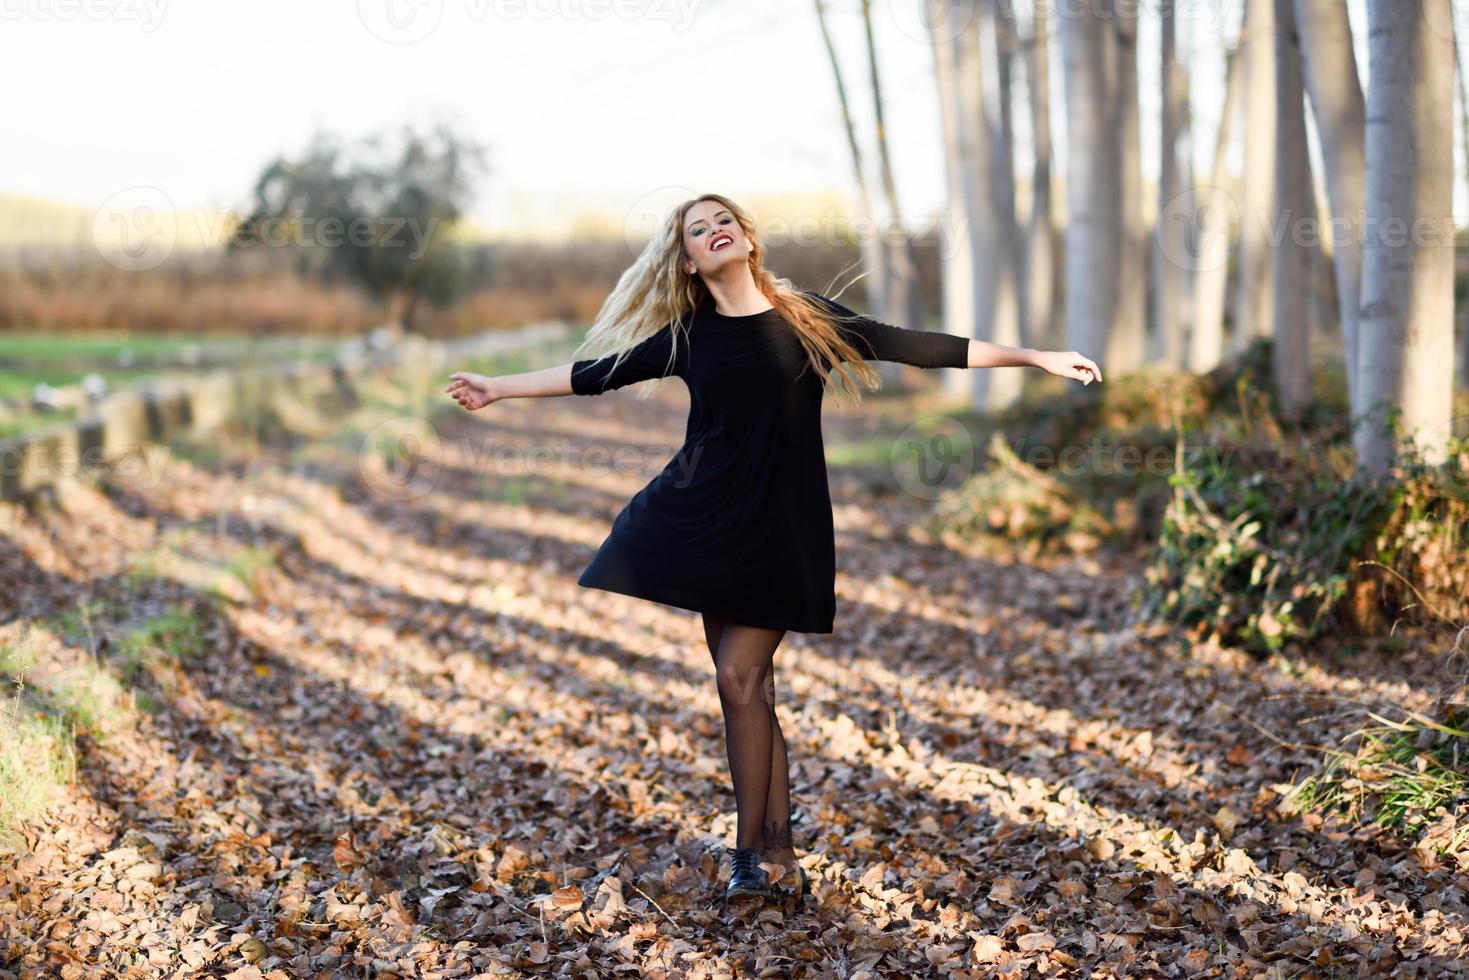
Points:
[(1093, 180), (1187, 167), (1209, 221), (1407, 314), (1168, 235), (1330, 65), (1326, 318), (905, 304), (1291, 306), (874, 256), (1464, 138), (412, 302), (1257, 209), (1001, 386), (960, 266), (978, 128), (1040, 246), (1128, 348)]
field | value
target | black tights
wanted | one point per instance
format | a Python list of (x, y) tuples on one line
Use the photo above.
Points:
[(744, 667)]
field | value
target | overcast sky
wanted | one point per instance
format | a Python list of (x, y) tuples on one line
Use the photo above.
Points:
[(593, 103)]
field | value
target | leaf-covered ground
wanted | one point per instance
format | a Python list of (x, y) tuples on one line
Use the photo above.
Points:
[(378, 734)]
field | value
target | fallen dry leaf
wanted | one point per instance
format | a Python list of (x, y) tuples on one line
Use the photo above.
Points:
[(984, 787)]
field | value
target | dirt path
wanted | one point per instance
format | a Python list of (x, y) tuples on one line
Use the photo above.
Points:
[(392, 737)]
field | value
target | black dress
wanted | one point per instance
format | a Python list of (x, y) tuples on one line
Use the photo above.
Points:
[(738, 524)]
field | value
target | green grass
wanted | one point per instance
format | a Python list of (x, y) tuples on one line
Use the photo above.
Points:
[(37, 758), (28, 422), (18, 385), (243, 567), (92, 700), (173, 634), (78, 623), (60, 359), (1402, 774), (37, 745), (235, 578), (98, 696), (16, 660), (60, 346), (877, 451)]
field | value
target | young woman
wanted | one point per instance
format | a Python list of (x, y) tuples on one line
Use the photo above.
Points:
[(738, 526)]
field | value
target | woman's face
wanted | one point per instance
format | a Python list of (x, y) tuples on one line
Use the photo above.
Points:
[(712, 239)]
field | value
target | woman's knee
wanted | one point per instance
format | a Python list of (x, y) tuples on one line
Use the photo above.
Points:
[(740, 683), (744, 664)]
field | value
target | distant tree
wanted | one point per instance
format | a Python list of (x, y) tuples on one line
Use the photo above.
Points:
[(378, 213), (900, 293), (1254, 289), (1294, 190), (1096, 227), (1340, 111), (1039, 263), (1168, 282), (995, 309), (1211, 231), (1127, 344), (874, 251), (964, 250), (999, 389)]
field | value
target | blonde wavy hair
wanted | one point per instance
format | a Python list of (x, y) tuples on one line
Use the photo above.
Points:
[(655, 291)]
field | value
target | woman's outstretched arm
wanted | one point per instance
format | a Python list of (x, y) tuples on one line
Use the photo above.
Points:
[(1063, 363), (475, 391), (653, 357), (880, 341)]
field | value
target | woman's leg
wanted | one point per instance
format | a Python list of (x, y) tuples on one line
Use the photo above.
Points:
[(713, 629), (776, 831), (742, 662), (776, 828)]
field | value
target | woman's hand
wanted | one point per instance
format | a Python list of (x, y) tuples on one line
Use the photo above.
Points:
[(473, 391), (1069, 364)]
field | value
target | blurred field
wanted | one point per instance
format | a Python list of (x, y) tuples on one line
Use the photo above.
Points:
[(36, 367)]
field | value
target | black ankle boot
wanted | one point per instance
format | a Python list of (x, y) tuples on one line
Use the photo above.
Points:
[(746, 878)]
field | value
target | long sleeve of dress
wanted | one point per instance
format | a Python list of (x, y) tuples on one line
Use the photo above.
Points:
[(650, 358), (878, 341)]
